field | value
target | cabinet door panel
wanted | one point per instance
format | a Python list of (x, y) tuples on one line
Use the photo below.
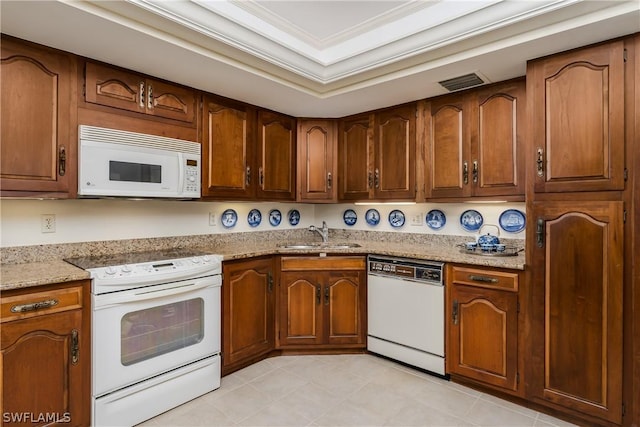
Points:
[(343, 295), (484, 336), (276, 154), (301, 319), (355, 159), (316, 160), (578, 113), (497, 167), (448, 162), (114, 88), (38, 119), (577, 283), (394, 175), (226, 151), (171, 102), (38, 373), (249, 300)]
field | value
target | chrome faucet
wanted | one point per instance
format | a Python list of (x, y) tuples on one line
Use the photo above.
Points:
[(323, 232)]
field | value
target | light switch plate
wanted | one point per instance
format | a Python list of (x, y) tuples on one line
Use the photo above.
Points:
[(417, 219)]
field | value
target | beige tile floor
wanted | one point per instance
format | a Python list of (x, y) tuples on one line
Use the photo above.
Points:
[(345, 390)]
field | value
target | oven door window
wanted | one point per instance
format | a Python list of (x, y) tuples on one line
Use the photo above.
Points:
[(162, 329)]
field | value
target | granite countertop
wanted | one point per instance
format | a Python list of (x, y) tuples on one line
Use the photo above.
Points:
[(15, 276)]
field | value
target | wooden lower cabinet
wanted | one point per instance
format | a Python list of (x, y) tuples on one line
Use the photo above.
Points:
[(483, 326), (45, 356), (322, 302), (248, 325), (576, 288)]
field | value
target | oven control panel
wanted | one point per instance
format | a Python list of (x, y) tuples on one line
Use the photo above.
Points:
[(149, 271)]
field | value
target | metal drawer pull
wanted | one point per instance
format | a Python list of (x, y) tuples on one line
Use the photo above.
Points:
[(34, 306), (483, 279)]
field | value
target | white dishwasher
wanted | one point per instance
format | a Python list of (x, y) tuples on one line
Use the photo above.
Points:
[(406, 311)]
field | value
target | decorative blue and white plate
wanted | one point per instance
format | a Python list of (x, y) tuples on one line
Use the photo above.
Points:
[(294, 217), (512, 220), (350, 217), (471, 220), (254, 218), (436, 219), (275, 217), (372, 216), (396, 218), (229, 218)]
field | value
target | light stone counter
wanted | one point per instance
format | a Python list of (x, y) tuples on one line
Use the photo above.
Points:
[(40, 265)]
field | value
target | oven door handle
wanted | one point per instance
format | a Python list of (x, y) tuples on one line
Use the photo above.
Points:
[(145, 294)]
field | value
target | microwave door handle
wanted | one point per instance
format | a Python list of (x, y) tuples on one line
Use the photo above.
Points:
[(181, 173), (145, 295)]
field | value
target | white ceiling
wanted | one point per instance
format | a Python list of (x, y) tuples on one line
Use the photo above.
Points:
[(320, 58)]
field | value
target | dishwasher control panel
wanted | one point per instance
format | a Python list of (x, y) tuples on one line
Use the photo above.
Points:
[(417, 270)]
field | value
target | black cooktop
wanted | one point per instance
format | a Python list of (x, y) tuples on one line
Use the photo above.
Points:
[(133, 257)]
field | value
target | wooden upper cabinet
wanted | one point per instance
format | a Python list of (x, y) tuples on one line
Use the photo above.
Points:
[(276, 156), (355, 158), (126, 90), (447, 157), (576, 341), (394, 176), (38, 124), (227, 150), (577, 113), (317, 160), (475, 143)]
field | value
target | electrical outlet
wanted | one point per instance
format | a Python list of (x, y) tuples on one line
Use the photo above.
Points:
[(48, 223), (212, 219), (416, 219)]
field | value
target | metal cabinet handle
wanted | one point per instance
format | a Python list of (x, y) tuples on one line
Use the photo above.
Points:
[(454, 312), (248, 176), (75, 347), (483, 279), (261, 177), (150, 98), (465, 172), (318, 295), (142, 94), (62, 161), (540, 162), (370, 180), (329, 180), (22, 308), (475, 171), (270, 282), (326, 296), (377, 178), (540, 232)]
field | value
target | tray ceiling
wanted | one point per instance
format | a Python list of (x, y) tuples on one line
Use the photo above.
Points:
[(320, 58)]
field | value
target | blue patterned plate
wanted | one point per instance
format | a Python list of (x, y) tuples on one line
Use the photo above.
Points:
[(350, 217), (372, 216), (436, 219), (275, 217), (471, 220), (512, 221), (229, 218), (396, 218), (294, 217), (254, 218)]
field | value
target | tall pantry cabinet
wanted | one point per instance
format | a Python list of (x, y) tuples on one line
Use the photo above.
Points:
[(576, 229)]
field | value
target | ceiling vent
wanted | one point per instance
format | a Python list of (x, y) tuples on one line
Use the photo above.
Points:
[(462, 82)]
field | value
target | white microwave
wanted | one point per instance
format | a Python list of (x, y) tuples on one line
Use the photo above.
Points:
[(116, 163)]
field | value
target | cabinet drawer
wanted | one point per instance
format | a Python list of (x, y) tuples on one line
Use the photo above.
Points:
[(491, 279), (40, 303), (322, 263)]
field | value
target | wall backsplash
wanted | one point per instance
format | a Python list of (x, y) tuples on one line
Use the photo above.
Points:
[(109, 219)]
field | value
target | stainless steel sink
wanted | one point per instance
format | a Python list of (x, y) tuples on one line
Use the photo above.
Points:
[(319, 245)]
